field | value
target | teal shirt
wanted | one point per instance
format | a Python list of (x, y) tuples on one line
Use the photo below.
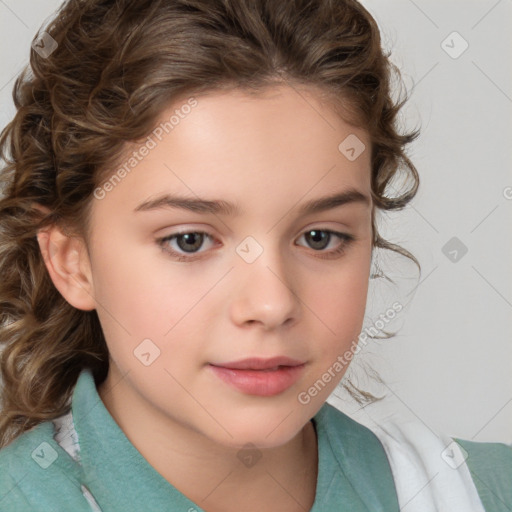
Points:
[(37, 474), (490, 465)]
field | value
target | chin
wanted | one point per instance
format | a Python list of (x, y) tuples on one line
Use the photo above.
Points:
[(263, 434)]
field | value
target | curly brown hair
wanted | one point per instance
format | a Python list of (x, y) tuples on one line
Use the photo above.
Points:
[(116, 66)]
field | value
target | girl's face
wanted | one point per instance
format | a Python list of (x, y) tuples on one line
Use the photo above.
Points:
[(265, 277)]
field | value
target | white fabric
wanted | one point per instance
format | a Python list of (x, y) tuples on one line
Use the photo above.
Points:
[(67, 437), (428, 468)]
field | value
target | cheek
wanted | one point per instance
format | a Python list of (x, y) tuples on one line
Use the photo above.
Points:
[(337, 307), (134, 288), (142, 297), (339, 298)]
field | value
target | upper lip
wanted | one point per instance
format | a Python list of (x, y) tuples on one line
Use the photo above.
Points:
[(256, 363)]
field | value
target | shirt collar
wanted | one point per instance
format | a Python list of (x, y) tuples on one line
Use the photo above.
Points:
[(121, 479)]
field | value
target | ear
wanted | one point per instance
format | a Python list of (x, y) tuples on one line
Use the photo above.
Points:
[(68, 264)]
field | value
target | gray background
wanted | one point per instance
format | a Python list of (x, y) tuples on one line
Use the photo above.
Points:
[(451, 363)]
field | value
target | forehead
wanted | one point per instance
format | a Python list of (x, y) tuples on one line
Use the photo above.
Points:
[(237, 146), (299, 110)]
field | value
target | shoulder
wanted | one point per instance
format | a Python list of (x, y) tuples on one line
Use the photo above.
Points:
[(490, 465), (360, 456), (345, 432), (351, 440), (37, 474), (417, 455)]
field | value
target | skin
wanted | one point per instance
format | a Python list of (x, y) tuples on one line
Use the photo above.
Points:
[(268, 153)]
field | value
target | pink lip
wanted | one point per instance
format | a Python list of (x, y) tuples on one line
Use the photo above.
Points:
[(263, 381), (257, 363)]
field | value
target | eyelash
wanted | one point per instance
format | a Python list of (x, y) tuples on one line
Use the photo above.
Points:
[(346, 239)]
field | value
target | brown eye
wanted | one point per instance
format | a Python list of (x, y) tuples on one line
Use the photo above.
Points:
[(320, 239), (188, 242)]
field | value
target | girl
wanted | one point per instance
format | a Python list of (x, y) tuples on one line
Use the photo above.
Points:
[(187, 234)]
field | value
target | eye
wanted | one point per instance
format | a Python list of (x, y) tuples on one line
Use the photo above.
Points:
[(319, 239), (189, 242)]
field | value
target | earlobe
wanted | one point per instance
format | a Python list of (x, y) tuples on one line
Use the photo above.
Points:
[(68, 264)]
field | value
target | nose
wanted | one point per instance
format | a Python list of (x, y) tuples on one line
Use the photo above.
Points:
[(266, 292)]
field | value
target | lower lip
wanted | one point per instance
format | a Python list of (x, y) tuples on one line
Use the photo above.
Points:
[(260, 382)]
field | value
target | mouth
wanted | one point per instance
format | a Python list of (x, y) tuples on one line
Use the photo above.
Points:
[(265, 382)]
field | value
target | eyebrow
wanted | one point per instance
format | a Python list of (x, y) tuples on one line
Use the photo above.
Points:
[(199, 205)]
